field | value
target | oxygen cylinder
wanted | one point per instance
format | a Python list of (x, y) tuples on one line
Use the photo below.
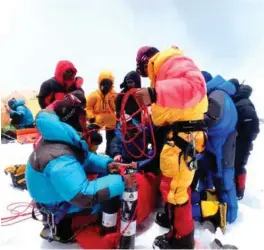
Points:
[(109, 215), (128, 217)]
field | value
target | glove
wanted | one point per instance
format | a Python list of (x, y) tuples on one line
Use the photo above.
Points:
[(114, 167), (118, 158), (78, 82), (130, 180), (143, 97)]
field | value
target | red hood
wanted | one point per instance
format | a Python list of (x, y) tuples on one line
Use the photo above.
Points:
[(61, 67)]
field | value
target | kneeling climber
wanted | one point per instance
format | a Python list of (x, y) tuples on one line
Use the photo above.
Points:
[(57, 169)]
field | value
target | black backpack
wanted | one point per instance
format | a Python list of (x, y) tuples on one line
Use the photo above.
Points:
[(248, 121)]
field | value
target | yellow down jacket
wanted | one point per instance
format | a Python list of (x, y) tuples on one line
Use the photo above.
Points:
[(102, 107)]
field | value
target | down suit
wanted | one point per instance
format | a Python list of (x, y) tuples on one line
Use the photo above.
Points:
[(21, 116), (56, 87), (56, 173), (217, 165), (101, 107), (180, 100), (247, 132)]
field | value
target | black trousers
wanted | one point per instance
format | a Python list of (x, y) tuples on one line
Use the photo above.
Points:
[(110, 134)]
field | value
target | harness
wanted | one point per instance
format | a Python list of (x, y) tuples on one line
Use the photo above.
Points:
[(52, 215), (187, 148)]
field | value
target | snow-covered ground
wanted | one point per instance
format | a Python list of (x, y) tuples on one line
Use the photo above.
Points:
[(246, 232)]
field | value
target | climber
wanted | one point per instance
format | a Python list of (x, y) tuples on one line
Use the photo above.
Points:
[(131, 80), (214, 198), (94, 137), (20, 114), (129, 152), (247, 131), (57, 168), (100, 106), (178, 101), (63, 82)]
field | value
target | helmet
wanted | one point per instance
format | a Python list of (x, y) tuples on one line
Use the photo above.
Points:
[(143, 56)]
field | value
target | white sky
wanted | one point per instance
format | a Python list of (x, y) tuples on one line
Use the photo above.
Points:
[(224, 37)]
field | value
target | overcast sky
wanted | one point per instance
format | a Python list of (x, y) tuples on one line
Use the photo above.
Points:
[(225, 37)]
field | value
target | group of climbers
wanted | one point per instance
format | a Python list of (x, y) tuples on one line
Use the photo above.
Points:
[(204, 128)]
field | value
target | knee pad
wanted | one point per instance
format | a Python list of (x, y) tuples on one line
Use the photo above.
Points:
[(232, 205)]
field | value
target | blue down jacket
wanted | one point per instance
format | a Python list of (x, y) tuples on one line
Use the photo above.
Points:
[(57, 169), (218, 160), (20, 114)]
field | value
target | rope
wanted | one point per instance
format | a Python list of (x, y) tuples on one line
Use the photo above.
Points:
[(14, 210), (145, 122)]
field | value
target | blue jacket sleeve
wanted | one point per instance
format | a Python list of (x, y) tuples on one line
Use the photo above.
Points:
[(68, 178), (97, 163), (20, 111)]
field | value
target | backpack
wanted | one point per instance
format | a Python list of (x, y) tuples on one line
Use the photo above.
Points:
[(248, 121)]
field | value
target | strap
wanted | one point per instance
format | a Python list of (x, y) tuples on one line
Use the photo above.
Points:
[(184, 145), (188, 126), (187, 149)]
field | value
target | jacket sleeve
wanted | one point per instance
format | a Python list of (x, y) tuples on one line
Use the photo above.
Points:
[(95, 163), (215, 108), (69, 180), (45, 90), (91, 101), (118, 105), (19, 112), (115, 147)]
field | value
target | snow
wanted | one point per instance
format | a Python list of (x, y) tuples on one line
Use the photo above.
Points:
[(246, 232)]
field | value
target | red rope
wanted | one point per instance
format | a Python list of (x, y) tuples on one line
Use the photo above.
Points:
[(145, 122), (14, 210)]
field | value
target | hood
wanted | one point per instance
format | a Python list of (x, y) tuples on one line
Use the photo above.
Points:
[(132, 76), (52, 129), (243, 92), (106, 75), (219, 83), (15, 103), (61, 67), (207, 76)]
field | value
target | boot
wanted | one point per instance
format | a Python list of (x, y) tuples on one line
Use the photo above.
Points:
[(164, 242), (185, 242), (162, 218), (64, 232), (181, 234)]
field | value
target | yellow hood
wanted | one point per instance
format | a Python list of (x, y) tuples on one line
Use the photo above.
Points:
[(106, 75)]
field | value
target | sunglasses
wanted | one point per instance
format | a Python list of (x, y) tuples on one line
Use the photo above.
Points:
[(130, 82), (68, 74)]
